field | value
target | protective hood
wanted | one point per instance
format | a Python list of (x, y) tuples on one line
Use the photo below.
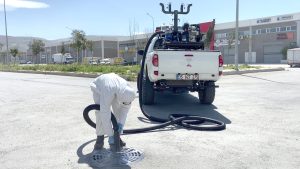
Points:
[(128, 95)]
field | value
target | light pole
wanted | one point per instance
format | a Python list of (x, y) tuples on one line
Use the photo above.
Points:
[(6, 34), (152, 21), (236, 56)]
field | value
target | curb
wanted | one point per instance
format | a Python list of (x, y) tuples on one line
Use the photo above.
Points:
[(252, 71), (55, 73), (86, 75)]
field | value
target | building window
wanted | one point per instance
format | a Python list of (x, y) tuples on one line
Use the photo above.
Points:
[(263, 31), (254, 32), (221, 35), (246, 33), (293, 28), (258, 31), (282, 29), (288, 28), (277, 29), (273, 30)]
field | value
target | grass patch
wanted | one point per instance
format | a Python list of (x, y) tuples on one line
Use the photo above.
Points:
[(129, 72), (241, 67)]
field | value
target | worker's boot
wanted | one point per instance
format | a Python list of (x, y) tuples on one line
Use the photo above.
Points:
[(99, 143), (113, 146)]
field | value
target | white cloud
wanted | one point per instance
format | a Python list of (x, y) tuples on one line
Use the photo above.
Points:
[(13, 4)]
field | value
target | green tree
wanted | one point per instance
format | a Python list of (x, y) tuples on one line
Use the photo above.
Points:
[(63, 49), (78, 41), (285, 49), (36, 46), (14, 52), (90, 46)]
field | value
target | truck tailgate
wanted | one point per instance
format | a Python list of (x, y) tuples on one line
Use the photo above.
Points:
[(200, 62)]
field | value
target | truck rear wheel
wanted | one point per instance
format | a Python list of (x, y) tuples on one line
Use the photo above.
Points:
[(147, 91), (207, 96)]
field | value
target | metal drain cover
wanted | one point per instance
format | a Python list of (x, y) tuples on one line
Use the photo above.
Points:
[(106, 158)]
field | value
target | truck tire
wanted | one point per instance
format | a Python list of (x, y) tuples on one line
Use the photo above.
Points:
[(147, 91), (207, 96)]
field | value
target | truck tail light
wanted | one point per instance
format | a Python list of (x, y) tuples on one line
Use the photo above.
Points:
[(155, 60), (221, 61)]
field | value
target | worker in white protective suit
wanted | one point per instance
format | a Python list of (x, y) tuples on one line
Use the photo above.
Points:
[(111, 91)]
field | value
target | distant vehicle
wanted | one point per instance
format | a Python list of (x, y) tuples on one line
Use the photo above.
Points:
[(60, 58), (23, 61), (105, 62), (93, 62), (29, 62), (293, 57)]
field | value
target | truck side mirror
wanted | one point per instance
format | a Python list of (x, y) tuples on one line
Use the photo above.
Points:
[(141, 52)]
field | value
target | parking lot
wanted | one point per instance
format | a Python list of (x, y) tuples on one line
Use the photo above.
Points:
[(41, 124)]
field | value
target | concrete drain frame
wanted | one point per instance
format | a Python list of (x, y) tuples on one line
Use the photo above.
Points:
[(106, 157)]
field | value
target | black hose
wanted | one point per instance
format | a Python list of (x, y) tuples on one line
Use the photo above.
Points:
[(191, 122), (187, 121)]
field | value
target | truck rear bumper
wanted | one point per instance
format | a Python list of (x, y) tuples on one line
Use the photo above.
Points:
[(184, 76)]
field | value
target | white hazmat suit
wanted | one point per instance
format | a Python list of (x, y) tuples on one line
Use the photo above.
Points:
[(110, 90)]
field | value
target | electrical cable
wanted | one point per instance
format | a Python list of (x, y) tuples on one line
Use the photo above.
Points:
[(184, 120)]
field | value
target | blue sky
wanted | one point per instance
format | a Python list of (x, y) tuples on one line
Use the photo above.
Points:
[(53, 19)]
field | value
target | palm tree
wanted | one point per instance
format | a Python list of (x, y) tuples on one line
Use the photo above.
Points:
[(90, 46), (63, 49), (78, 38)]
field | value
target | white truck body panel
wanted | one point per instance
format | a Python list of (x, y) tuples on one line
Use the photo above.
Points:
[(293, 56), (173, 62)]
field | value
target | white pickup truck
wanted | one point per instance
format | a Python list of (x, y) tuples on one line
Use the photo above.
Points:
[(180, 70)]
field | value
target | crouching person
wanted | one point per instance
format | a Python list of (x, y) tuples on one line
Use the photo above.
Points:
[(111, 91)]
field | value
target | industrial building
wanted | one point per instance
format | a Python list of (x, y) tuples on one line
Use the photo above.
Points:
[(261, 40)]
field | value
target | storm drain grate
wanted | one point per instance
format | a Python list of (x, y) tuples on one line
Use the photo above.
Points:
[(105, 158)]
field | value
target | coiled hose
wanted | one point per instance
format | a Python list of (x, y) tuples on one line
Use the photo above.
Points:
[(187, 121)]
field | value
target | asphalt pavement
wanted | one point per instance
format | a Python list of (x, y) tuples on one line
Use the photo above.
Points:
[(41, 124)]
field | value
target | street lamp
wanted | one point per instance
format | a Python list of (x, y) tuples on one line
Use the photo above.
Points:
[(152, 20), (6, 34), (236, 58)]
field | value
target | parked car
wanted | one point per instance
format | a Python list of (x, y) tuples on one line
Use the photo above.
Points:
[(104, 62), (23, 62), (93, 62)]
